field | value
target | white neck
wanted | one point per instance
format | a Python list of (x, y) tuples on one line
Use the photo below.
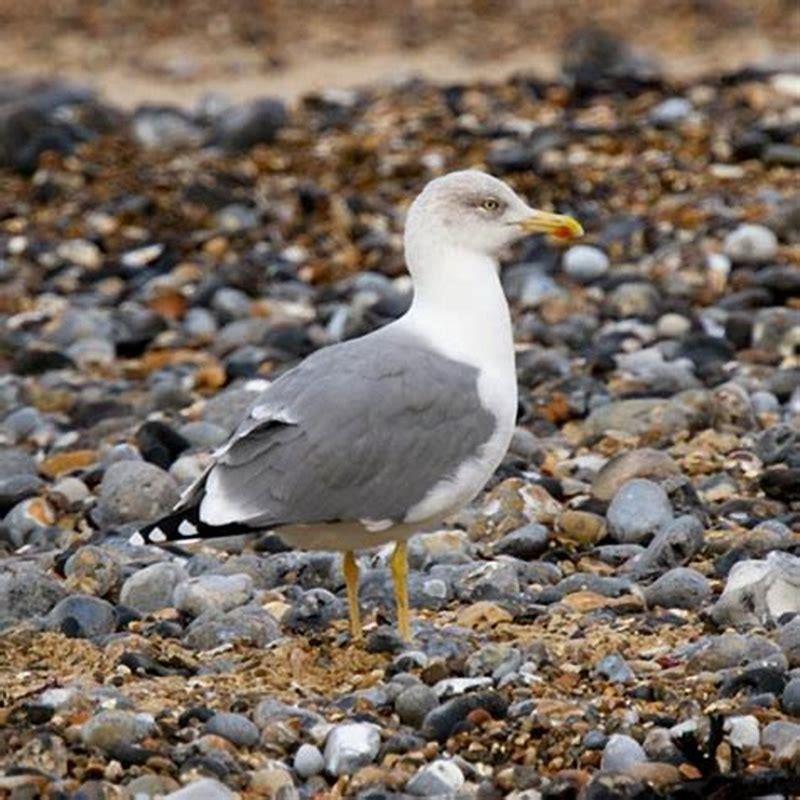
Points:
[(459, 306)]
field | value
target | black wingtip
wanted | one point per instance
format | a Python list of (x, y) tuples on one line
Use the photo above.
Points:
[(171, 528)]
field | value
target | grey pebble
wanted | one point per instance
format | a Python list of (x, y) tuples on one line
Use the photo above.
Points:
[(673, 546), (585, 263), (639, 509), (246, 624), (615, 669), (203, 435), (26, 593), (681, 587), (750, 244), (203, 789), (789, 641), (205, 593), (133, 491), (780, 734), (82, 616), (308, 761), (351, 746), (414, 703), (151, 588), (670, 111), (108, 729), (236, 728), (440, 778), (621, 753), (790, 699), (526, 543)]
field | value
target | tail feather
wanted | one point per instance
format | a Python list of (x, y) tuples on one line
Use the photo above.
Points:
[(184, 524)]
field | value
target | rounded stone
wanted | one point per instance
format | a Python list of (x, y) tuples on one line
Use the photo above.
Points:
[(93, 568), (350, 747), (620, 753), (151, 588), (679, 588), (82, 616), (527, 543), (441, 778), (671, 111), (789, 641), (236, 728), (135, 491), (585, 263), (413, 704), (109, 729), (751, 244), (639, 509), (212, 593), (790, 699), (308, 761)]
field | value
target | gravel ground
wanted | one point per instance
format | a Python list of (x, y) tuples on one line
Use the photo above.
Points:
[(618, 616)]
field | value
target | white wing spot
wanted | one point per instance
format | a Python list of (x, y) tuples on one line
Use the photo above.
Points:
[(137, 539), (377, 525), (157, 535), (187, 529)]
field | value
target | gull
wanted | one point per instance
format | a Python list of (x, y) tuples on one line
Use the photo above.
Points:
[(372, 440)]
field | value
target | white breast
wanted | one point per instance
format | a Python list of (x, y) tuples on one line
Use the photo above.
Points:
[(461, 311)]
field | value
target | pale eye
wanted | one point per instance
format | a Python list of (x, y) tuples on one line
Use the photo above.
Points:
[(490, 204)]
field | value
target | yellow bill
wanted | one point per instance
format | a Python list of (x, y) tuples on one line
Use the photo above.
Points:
[(558, 226)]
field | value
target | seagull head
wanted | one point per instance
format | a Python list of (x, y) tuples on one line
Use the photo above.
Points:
[(475, 212)]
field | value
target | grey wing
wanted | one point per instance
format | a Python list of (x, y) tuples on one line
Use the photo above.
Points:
[(355, 432)]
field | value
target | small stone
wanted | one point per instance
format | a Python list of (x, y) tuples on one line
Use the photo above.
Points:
[(441, 778), (780, 734), (152, 588), (308, 761), (643, 463), (620, 753), (71, 491), (204, 789), (639, 509), (236, 728), (109, 729), (670, 112), (526, 543), (134, 491), (760, 591), (743, 731), (414, 704), (93, 568), (91, 353), (615, 669), (751, 244), (672, 326), (581, 527), (351, 746), (255, 123), (585, 263), (673, 546), (789, 641), (203, 435), (82, 616), (195, 596), (27, 593), (244, 625), (679, 588), (29, 519), (790, 699)]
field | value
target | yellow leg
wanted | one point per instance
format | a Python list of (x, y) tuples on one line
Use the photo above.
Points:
[(400, 575), (351, 579)]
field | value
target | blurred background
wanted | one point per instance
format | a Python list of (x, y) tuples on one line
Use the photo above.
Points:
[(144, 51)]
